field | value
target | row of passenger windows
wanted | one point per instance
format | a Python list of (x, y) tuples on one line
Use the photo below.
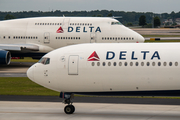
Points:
[(20, 37), (86, 24), (77, 38), (48, 23), (134, 64), (117, 38), (82, 24)]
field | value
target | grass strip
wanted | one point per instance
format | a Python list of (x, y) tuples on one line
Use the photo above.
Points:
[(26, 59), (23, 86)]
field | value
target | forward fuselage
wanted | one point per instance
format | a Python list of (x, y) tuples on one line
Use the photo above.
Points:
[(110, 68)]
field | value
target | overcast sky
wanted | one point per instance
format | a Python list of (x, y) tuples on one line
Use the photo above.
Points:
[(157, 6)]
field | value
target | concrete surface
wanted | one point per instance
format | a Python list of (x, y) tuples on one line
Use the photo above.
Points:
[(86, 111)]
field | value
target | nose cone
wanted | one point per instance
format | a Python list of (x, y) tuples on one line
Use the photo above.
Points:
[(30, 73), (141, 38)]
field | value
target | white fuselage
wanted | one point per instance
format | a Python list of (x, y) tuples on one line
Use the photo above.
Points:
[(112, 68), (49, 33)]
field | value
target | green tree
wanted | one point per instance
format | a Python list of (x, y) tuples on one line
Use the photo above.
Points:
[(142, 20), (129, 24), (109, 15), (99, 15), (157, 21), (8, 16)]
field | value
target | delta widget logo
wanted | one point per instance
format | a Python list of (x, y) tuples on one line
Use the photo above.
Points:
[(60, 30), (93, 57)]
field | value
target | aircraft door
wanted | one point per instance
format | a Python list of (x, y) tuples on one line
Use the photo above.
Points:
[(73, 65), (46, 37), (92, 37), (65, 23)]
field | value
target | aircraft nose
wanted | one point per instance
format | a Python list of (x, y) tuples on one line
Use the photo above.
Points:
[(30, 73), (141, 38)]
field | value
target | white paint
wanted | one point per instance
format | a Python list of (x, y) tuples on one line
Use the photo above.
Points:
[(111, 78), (28, 28)]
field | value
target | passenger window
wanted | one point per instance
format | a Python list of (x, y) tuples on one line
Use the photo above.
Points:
[(153, 64), (109, 63), (137, 63), (120, 63), (148, 64), (170, 63), (93, 63), (142, 63), (159, 63), (98, 63), (125, 64), (104, 63), (114, 63), (131, 63), (176, 63)]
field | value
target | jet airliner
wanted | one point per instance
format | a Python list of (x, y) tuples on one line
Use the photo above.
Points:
[(145, 69), (34, 37)]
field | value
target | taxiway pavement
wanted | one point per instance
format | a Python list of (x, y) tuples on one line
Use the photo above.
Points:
[(15, 69), (86, 111), (157, 31)]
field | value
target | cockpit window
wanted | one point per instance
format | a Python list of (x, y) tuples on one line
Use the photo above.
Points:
[(44, 61), (116, 23)]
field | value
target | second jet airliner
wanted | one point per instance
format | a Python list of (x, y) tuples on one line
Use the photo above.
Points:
[(33, 37)]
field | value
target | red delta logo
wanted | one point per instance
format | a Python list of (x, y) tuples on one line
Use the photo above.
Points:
[(93, 57), (60, 30)]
